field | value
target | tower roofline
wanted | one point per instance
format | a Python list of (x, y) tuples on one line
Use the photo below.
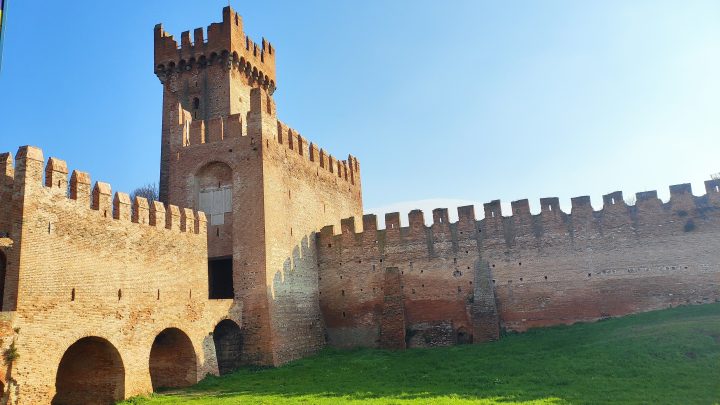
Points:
[(225, 41)]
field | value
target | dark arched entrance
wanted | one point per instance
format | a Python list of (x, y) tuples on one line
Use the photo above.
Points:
[(172, 360), (464, 337), (91, 372), (228, 345)]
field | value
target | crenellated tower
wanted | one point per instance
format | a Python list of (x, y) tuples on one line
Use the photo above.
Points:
[(209, 77), (265, 188)]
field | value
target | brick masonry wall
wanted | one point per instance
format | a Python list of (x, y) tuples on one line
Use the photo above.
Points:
[(77, 271), (521, 271), (557, 268), (444, 283), (302, 196), (93, 267), (234, 124)]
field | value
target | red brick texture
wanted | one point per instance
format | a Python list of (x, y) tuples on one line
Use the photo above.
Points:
[(445, 286), (522, 270)]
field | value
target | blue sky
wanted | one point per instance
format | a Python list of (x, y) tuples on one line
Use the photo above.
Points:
[(454, 102)]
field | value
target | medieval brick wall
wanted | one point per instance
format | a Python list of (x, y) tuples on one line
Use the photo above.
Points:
[(444, 282), (392, 318), (95, 281), (305, 190), (241, 234), (562, 268), (206, 104), (90, 267), (460, 281)]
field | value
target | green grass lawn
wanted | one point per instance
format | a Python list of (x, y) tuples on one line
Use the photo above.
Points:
[(662, 357)]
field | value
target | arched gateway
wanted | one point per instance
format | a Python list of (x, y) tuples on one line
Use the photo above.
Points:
[(91, 372), (228, 340), (173, 362)]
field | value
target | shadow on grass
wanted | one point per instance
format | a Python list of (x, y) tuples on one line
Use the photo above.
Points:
[(669, 356)]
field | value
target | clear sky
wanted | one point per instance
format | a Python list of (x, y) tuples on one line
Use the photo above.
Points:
[(453, 100)]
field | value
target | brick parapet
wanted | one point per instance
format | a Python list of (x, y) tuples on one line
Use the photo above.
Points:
[(681, 213), (7, 179), (226, 44), (648, 215), (346, 170), (196, 133), (28, 176)]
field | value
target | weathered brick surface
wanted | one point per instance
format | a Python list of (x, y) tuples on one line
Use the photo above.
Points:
[(557, 268), (445, 285), (392, 320), (524, 270)]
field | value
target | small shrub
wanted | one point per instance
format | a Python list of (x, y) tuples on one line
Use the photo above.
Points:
[(10, 354)]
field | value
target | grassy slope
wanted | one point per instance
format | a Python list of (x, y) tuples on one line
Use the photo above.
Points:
[(669, 357)]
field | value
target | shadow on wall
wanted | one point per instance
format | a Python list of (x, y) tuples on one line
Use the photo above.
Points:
[(295, 302), (297, 270)]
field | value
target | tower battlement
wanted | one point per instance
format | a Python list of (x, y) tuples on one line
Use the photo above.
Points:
[(226, 44), (218, 129)]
